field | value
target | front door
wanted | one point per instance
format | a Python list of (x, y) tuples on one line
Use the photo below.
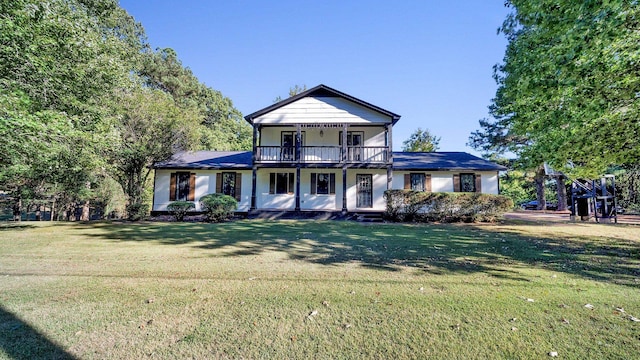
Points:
[(364, 191)]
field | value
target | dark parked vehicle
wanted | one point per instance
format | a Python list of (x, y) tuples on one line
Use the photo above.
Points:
[(533, 205)]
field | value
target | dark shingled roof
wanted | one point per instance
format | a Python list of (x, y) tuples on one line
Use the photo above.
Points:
[(434, 161), (207, 160), (442, 161)]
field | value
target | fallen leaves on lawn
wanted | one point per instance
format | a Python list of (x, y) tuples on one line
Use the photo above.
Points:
[(312, 314)]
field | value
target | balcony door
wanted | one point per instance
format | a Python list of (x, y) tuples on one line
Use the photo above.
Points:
[(364, 191), (288, 145), (355, 141)]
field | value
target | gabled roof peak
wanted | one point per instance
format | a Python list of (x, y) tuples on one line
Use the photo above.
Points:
[(321, 91)]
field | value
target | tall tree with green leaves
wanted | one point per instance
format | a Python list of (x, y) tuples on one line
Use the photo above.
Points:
[(421, 141), (568, 85)]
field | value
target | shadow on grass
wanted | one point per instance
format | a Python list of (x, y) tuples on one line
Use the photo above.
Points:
[(435, 249), (19, 340)]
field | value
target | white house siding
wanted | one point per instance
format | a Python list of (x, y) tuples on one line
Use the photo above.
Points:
[(272, 136), (318, 110), (267, 201), (329, 202), (379, 187), (205, 184), (442, 181)]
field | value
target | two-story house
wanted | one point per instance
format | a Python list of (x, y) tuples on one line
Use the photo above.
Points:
[(320, 150)]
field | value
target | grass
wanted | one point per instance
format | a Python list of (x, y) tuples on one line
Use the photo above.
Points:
[(246, 289)]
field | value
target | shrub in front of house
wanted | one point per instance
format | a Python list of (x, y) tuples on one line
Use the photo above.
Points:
[(418, 206), (218, 207), (137, 211), (179, 209)]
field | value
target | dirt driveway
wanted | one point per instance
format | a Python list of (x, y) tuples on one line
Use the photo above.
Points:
[(561, 217)]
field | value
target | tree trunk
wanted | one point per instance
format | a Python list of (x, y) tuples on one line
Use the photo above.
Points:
[(85, 211), (39, 212), (562, 193), (17, 210), (85, 207), (53, 206), (539, 180)]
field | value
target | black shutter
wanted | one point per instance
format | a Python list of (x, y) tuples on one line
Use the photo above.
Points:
[(238, 186), (313, 183), (219, 183), (332, 184), (272, 183), (291, 183)]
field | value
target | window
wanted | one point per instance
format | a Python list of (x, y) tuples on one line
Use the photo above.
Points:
[(229, 183), (417, 182), (354, 138), (323, 183), (468, 183), (288, 144), (355, 141), (182, 186), (281, 183)]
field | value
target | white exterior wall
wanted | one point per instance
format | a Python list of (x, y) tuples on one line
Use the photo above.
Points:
[(318, 110), (267, 201), (379, 187), (442, 181), (328, 202), (373, 135), (205, 184)]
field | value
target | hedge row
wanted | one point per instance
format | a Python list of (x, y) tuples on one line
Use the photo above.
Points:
[(418, 206), (215, 207)]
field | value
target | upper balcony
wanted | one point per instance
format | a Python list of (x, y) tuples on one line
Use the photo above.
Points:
[(322, 155)]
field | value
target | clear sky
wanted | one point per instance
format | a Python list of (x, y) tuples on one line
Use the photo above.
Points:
[(428, 61)]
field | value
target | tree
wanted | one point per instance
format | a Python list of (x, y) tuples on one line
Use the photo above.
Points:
[(567, 88), (71, 72), (421, 141), (149, 128), (293, 91)]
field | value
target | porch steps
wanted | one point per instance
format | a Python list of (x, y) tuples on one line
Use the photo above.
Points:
[(369, 216)]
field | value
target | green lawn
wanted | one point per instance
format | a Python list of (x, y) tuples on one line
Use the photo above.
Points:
[(309, 289)]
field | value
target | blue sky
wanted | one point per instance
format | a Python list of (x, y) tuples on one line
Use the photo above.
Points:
[(429, 61)]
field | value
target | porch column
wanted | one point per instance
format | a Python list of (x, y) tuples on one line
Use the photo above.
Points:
[(389, 141), (254, 168), (254, 182), (344, 167), (298, 153), (344, 189)]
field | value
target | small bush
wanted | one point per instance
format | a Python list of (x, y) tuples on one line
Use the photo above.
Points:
[(179, 209), (218, 207), (137, 211), (408, 205)]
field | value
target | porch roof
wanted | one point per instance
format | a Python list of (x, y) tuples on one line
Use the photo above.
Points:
[(207, 160), (442, 161)]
